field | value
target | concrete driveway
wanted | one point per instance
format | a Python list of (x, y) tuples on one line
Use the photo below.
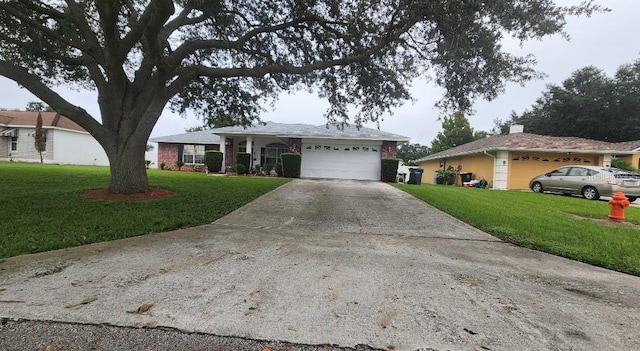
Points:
[(334, 262)]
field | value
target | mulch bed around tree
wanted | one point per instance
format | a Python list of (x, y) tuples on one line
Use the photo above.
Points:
[(103, 194)]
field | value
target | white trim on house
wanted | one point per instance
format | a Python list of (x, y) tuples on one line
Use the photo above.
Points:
[(501, 170)]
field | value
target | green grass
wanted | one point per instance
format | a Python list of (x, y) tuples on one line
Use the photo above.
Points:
[(543, 222), (41, 209)]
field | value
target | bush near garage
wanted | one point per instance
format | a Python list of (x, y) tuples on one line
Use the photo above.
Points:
[(389, 169), (240, 168), (446, 176), (213, 160), (243, 158), (619, 163), (291, 165)]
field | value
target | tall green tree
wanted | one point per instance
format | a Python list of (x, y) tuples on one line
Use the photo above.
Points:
[(456, 131), (226, 58), (588, 104), (38, 106), (409, 152), (39, 138)]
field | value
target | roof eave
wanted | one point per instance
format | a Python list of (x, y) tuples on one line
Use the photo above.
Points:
[(353, 138), (567, 150), (23, 126), (479, 151), (310, 136)]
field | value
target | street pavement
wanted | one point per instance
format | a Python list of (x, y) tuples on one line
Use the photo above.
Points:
[(335, 264)]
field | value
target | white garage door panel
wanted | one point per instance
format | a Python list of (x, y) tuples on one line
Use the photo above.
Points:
[(340, 161)]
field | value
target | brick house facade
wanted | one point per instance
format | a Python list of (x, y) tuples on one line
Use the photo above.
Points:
[(188, 148)]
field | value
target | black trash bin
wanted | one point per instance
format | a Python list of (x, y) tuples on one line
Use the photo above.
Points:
[(465, 177), (415, 176)]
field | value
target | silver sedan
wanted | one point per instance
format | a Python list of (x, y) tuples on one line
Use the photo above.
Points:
[(591, 182)]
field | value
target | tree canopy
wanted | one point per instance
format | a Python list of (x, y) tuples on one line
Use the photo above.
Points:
[(37, 106), (409, 152), (226, 58), (588, 104)]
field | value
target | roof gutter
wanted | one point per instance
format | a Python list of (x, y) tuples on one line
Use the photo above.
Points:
[(488, 154)]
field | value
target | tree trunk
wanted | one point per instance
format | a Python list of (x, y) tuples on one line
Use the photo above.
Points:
[(128, 171)]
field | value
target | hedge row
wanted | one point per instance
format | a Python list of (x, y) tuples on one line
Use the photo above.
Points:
[(291, 164), (389, 169)]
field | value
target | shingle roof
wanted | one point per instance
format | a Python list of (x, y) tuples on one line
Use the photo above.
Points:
[(29, 118), (527, 141), (201, 137), (310, 131), (629, 145)]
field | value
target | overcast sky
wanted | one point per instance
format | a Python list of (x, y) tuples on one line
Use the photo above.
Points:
[(605, 41)]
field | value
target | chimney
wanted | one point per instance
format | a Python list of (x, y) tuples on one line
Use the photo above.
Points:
[(516, 128)]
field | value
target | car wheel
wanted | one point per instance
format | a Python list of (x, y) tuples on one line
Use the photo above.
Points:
[(590, 193), (537, 187), (631, 198)]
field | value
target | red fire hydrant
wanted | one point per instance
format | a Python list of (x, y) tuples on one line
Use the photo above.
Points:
[(618, 203)]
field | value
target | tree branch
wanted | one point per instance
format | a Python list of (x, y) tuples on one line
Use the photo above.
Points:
[(77, 17), (150, 25), (40, 28), (42, 9), (190, 47), (185, 74), (181, 20)]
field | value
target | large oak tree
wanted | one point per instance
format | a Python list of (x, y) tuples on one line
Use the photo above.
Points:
[(225, 58)]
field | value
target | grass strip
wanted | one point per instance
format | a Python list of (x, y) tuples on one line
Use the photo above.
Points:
[(42, 211), (565, 226)]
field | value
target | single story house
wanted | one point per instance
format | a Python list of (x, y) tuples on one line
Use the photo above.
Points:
[(510, 161), (328, 151), (186, 147), (65, 141)]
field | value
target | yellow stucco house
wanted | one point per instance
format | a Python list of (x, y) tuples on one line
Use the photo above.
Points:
[(510, 161)]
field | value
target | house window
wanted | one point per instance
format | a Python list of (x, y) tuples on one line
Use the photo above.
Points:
[(193, 154), (14, 143), (242, 146), (270, 154)]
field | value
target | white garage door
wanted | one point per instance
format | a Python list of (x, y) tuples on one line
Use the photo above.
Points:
[(340, 161)]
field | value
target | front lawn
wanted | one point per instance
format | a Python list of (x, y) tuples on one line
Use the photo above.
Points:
[(565, 226), (41, 209)]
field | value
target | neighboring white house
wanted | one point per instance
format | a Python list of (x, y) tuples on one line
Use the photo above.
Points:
[(327, 151), (65, 141)]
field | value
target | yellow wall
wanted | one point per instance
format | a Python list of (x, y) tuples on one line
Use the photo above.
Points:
[(633, 160), (523, 166), (429, 168), (480, 165)]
